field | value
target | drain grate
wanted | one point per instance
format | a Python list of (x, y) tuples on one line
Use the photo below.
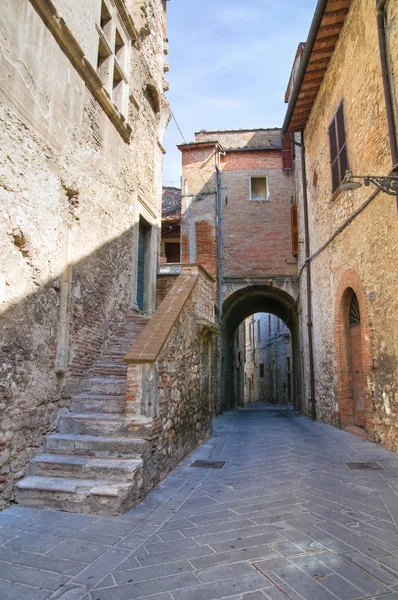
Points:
[(364, 466), (209, 464)]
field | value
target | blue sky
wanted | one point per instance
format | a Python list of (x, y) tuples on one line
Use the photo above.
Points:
[(230, 63)]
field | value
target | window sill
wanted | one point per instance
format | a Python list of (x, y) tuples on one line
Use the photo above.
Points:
[(73, 51)]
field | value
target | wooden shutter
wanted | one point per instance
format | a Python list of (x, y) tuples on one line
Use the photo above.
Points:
[(338, 148), (294, 221), (287, 152)]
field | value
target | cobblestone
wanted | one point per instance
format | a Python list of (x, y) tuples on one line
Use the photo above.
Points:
[(284, 519)]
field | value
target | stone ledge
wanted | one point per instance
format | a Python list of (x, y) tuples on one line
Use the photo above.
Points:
[(150, 342), (69, 45)]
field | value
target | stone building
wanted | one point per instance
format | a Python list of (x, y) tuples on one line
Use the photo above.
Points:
[(237, 192), (268, 360), (342, 111), (83, 113)]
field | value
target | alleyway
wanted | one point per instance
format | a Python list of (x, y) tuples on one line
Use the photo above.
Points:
[(284, 518)]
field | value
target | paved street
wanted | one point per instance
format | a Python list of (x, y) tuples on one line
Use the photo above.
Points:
[(284, 518)]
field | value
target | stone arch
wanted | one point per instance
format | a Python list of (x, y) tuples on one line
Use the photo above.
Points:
[(349, 285), (239, 305)]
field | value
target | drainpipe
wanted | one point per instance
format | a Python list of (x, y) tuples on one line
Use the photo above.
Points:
[(388, 96), (221, 375), (219, 235), (309, 283)]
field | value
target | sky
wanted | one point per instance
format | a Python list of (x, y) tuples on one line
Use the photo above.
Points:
[(230, 63)]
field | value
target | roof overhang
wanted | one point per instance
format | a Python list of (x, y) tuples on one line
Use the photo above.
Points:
[(199, 145), (328, 21)]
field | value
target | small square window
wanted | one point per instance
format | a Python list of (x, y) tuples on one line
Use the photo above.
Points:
[(117, 89), (120, 48), (258, 188), (106, 19)]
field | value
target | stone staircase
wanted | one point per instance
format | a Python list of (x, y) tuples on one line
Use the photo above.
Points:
[(94, 464)]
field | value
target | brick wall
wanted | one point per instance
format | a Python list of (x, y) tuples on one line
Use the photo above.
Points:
[(256, 235)]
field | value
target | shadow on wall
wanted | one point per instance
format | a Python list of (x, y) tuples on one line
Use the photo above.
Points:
[(48, 341)]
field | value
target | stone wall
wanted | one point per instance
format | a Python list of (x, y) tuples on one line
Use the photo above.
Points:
[(173, 371), (74, 184), (354, 245)]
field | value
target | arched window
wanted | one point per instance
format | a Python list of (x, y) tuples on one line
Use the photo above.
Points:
[(354, 316)]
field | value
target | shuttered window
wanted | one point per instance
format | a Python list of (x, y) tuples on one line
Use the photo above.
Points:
[(287, 152), (294, 221), (338, 148)]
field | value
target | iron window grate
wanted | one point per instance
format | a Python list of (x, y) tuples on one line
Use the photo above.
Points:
[(364, 466), (208, 464)]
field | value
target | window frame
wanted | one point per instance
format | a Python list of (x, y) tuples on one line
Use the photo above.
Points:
[(341, 149), (114, 79), (266, 199)]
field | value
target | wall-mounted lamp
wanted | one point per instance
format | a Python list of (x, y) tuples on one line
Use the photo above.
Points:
[(388, 185)]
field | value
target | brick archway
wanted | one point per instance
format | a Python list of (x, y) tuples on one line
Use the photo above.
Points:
[(350, 284)]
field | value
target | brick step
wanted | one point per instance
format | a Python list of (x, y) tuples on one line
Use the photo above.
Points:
[(97, 403), (104, 386), (135, 318), (115, 340), (118, 348), (85, 467), (108, 369), (106, 425), (99, 446), (79, 495)]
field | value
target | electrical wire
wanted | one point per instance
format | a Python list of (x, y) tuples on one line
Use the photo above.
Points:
[(190, 152)]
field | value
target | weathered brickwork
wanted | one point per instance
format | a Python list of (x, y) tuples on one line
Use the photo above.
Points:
[(75, 180), (359, 255), (256, 235), (241, 236)]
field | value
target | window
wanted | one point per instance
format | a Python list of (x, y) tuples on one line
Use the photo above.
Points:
[(113, 55), (287, 152), (294, 225), (338, 148), (259, 330), (261, 370), (269, 324), (258, 188)]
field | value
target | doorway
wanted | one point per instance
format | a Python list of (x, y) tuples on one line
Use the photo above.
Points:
[(141, 268)]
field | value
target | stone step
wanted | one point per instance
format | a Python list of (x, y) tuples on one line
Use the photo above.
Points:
[(79, 495), (106, 425), (104, 386), (99, 446), (85, 467), (92, 403)]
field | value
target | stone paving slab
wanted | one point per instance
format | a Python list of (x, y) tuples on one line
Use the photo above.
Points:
[(284, 519)]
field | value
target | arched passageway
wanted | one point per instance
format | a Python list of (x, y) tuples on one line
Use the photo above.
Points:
[(236, 308)]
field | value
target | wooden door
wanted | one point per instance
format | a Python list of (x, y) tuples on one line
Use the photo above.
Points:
[(141, 269)]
